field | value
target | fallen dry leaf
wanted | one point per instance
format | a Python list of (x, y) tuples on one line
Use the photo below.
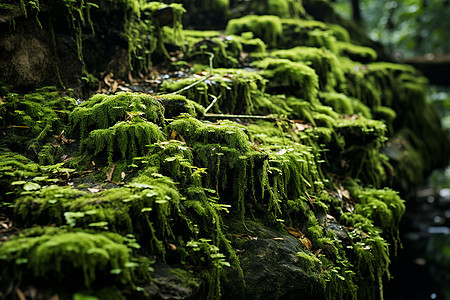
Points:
[(294, 232), (110, 172), (278, 239), (122, 175), (172, 247), (173, 135), (20, 294), (306, 242)]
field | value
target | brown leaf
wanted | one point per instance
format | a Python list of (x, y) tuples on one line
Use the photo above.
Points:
[(20, 294), (110, 172), (294, 232), (114, 86), (306, 242), (122, 175), (173, 135), (343, 192), (108, 78), (172, 247)]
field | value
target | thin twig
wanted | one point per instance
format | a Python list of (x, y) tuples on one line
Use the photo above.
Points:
[(192, 84), (224, 116), (211, 104), (211, 57)]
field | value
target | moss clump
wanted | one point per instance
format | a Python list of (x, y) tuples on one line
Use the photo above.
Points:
[(324, 63), (268, 28), (45, 206), (344, 104), (48, 251), (297, 77), (15, 167), (175, 105), (384, 207), (363, 139), (235, 89), (226, 49), (124, 140), (306, 33), (355, 52), (281, 8), (339, 32), (144, 30), (31, 120), (226, 133), (104, 111)]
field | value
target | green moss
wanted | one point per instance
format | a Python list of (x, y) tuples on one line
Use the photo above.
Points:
[(49, 252), (32, 119), (355, 52), (236, 90), (124, 140), (45, 206), (281, 8), (345, 105), (300, 79), (200, 45), (324, 63), (15, 167), (103, 111), (175, 105), (226, 133), (384, 207), (339, 32), (145, 33), (268, 28)]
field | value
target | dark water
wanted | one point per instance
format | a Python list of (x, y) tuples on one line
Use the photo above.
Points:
[(421, 269)]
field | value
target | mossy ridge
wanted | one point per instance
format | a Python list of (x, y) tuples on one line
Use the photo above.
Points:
[(396, 86), (356, 52), (33, 119), (227, 49), (15, 167), (384, 207), (344, 104), (268, 28), (281, 8), (200, 46), (324, 62), (297, 77), (227, 133), (48, 251), (103, 111), (144, 207), (235, 89), (176, 105), (123, 141), (145, 32), (363, 139)]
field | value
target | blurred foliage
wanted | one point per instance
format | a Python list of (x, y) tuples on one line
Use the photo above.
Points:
[(406, 27)]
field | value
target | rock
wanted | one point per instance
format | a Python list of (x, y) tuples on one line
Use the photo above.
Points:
[(28, 59), (271, 267)]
